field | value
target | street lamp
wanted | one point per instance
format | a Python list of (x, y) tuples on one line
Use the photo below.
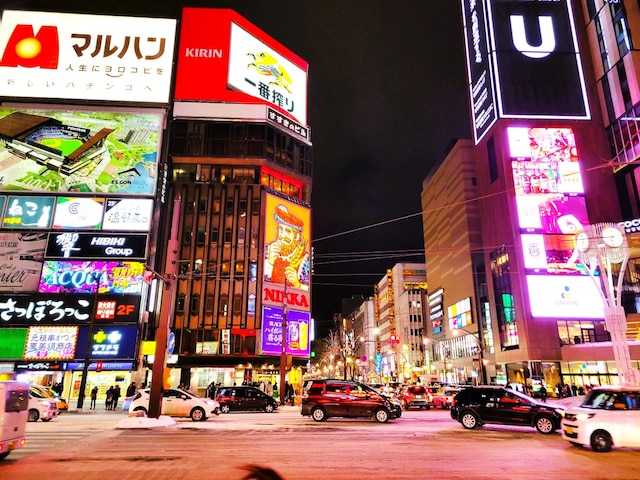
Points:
[(604, 244), (480, 377)]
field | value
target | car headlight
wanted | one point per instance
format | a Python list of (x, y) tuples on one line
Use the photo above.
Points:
[(584, 416)]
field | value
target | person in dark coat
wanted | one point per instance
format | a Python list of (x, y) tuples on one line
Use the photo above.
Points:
[(116, 397), (109, 400), (94, 396), (131, 389)]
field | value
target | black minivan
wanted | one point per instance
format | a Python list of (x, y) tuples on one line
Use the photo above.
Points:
[(475, 406)]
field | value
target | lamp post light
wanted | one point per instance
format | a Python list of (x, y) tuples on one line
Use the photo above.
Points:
[(602, 245), (481, 376)]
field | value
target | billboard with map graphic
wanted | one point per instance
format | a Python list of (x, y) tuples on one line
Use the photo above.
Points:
[(75, 150)]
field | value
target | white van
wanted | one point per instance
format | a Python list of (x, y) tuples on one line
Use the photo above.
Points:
[(14, 410)]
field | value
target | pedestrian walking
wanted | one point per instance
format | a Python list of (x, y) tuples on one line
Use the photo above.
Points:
[(116, 397), (94, 396), (131, 389), (109, 400)]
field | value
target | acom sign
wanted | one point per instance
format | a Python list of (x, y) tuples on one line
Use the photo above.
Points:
[(94, 246)]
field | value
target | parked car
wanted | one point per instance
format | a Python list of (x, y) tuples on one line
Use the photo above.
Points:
[(415, 396), (443, 398), (41, 392), (475, 406), (42, 409), (323, 399), (609, 416), (245, 398), (177, 403)]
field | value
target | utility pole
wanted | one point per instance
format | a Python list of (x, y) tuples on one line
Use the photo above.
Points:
[(166, 312), (283, 354)]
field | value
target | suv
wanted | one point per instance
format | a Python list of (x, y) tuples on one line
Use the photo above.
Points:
[(415, 396), (475, 406), (323, 399), (608, 416), (245, 398)]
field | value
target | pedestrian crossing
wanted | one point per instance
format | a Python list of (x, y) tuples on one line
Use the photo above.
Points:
[(47, 441)]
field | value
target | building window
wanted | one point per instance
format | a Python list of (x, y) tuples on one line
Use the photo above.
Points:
[(180, 303), (237, 304), (225, 269), (208, 303), (620, 26), (201, 236), (491, 157), (507, 321), (239, 267), (216, 205), (227, 235), (241, 235), (214, 235), (224, 305), (255, 207), (229, 206), (202, 205), (186, 236), (195, 304)]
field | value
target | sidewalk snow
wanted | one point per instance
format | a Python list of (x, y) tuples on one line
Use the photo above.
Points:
[(145, 422)]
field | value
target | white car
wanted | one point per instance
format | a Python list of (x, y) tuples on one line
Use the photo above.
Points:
[(177, 403), (609, 416), (42, 409)]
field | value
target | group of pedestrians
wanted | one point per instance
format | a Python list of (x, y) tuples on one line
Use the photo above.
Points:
[(112, 396)]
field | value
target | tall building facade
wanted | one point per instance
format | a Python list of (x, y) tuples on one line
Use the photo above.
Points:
[(542, 172), (239, 184)]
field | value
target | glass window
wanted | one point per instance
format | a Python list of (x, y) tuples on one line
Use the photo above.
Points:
[(241, 235), (224, 305), (214, 235)]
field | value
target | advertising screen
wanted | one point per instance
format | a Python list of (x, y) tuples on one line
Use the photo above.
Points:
[(12, 341), (80, 277), (242, 64), (51, 343), (460, 314), (287, 246), (131, 246), (76, 150), (21, 257), (298, 324), (78, 213), (551, 210), (113, 342), (86, 57), (556, 296), (130, 214), (537, 66)]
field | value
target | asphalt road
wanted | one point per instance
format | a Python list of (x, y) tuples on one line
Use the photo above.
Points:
[(422, 444)]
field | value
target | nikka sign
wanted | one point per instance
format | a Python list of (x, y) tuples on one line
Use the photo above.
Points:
[(534, 61), (296, 299)]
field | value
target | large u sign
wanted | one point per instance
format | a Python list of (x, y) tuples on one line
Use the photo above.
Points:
[(546, 47)]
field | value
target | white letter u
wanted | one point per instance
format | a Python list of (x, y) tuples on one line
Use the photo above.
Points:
[(546, 47)]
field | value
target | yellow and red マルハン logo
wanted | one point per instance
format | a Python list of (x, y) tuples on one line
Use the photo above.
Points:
[(26, 49)]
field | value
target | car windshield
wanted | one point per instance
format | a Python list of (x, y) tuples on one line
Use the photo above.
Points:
[(417, 390)]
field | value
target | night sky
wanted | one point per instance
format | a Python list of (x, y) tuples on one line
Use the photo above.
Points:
[(387, 97)]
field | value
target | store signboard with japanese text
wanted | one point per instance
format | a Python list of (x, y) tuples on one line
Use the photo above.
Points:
[(86, 57), (298, 328), (26, 212), (54, 309), (128, 214), (97, 245), (480, 77), (78, 150), (287, 253), (51, 343), (21, 257), (242, 64), (112, 342), (85, 277), (551, 210)]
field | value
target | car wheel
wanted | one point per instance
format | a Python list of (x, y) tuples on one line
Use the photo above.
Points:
[(545, 424), (224, 408), (318, 414), (268, 407), (141, 409), (34, 415), (469, 420), (601, 441), (381, 415), (198, 415)]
